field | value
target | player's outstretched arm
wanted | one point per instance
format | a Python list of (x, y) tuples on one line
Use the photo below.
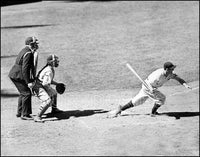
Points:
[(181, 81), (54, 82), (187, 86)]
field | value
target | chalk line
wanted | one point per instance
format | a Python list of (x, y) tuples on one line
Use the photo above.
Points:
[(186, 91)]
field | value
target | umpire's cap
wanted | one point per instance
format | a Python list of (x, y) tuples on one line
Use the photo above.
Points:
[(31, 40), (169, 65)]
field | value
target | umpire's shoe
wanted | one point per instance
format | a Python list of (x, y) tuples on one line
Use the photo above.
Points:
[(27, 117), (55, 110), (18, 115)]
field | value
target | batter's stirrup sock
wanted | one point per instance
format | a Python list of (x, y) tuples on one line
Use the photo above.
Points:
[(154, 109), (128, 105)]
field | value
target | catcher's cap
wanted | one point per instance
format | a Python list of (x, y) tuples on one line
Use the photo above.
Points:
[(30, 40), (169, 65), (52, 58)]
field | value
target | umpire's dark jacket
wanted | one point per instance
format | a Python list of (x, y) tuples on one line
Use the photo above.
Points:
[(24, 66)]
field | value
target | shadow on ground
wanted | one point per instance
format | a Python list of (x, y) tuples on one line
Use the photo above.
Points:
[(26, 26), (180, 114), (87, 0), (74, 113), (11, 56), (177, 115), (8, 94), (15, 2), (12, 2)]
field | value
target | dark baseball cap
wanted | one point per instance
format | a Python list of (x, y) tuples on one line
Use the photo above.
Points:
[(169, 65), (30, 40)]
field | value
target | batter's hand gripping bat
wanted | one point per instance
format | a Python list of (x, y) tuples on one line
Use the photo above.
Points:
[(135, 73)]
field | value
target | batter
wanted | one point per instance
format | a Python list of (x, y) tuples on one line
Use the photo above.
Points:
[(156, 79)]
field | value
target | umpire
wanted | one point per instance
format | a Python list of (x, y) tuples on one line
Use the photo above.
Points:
[(23, 74)]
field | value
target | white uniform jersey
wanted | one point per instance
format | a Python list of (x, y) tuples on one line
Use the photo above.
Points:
[(158, 78), (46, 75), (35, 62)]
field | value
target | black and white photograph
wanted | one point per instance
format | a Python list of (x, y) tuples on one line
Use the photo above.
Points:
[(99, 78)]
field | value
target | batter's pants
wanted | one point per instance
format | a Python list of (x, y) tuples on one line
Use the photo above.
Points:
[(158, 97)]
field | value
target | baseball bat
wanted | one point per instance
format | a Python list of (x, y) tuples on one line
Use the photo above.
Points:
[(135, 73)]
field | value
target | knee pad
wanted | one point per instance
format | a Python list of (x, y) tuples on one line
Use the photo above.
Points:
[(48, 101), (42, 109)]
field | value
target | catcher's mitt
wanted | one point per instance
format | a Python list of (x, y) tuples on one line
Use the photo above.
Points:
[(60, 88)]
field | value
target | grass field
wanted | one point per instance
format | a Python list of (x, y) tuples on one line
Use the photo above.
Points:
[(94, 40)]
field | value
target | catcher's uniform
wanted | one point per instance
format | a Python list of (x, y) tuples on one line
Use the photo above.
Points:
[(43, 89), (156, 79)]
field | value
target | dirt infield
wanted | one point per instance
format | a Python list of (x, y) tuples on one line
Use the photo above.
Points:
[(94, 40), (84, 129)]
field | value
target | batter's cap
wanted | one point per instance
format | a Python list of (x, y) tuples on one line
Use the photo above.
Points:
[(30, 40), (168, 65)]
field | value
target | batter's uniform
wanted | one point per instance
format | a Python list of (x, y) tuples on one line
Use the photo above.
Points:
[(43, 90), (156, 79)]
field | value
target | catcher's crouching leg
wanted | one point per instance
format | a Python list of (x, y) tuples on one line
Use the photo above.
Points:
[(45, 105), (54, 103)]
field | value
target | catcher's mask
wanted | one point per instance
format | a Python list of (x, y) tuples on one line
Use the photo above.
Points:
[(53, 60)]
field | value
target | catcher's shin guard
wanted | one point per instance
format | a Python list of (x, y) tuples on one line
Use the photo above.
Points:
[(126, 106), (44, 107)]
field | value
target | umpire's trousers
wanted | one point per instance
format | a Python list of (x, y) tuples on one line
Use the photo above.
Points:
[(24, 100)]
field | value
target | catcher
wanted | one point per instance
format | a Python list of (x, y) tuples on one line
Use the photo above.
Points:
[(43, 89)]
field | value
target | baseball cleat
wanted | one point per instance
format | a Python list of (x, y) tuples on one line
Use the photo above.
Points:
[(115, 113), (154, 114), (18, 115), (27, 117), (38, 119)]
